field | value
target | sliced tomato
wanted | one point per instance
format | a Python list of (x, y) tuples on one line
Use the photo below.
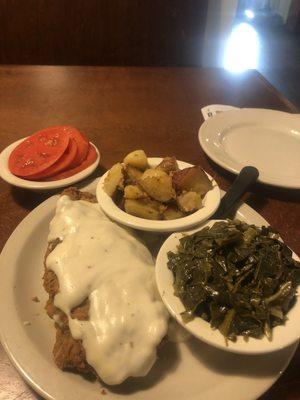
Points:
[(90, 159), (39, 151), (82, 144), (64, 163)]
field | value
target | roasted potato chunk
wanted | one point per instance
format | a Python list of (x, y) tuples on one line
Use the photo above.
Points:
[(137, 159), (134, 192), (163, 192), (172, 212), (143, 208), (158, 185), (189, 201), (192, 179), (114, 179), (133, 175), (168, 164)]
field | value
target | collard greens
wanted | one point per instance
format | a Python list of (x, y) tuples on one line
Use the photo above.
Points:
[(240, 278)]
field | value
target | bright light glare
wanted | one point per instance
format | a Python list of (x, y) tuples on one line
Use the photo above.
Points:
[(249, 14), (242, 49)]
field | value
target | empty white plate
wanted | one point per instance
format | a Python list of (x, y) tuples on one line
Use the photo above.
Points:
[(266, 139)]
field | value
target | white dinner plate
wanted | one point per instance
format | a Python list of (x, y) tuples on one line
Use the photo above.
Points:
[(191, 370), (267, 139)]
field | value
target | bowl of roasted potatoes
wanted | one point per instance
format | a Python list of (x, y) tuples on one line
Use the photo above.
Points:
[(157, 194)]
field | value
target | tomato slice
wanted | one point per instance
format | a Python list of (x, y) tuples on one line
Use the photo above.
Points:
[(39, 151), (90, 159), (82, 145), (64, 163)]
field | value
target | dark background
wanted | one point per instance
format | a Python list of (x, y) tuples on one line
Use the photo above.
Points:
[(150, 33), (102, 32)]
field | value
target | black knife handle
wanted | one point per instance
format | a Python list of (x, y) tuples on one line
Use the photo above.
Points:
[(245, 178)]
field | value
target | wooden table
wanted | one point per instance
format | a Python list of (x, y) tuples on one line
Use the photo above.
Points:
[(121, 109)]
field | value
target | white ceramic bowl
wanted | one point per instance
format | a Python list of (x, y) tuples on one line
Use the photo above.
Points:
[(283, 335), (36, 185), (211, 202)]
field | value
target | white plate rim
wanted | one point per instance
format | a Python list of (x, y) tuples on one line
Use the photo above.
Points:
[(114, 212), (256, 112), (7, 176), (37, 214)]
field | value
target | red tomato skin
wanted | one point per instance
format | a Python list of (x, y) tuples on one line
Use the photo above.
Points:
[(64, 163), (38, 152), (82, 144), (90, 159)]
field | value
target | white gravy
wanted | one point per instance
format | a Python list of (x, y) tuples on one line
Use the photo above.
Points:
[(100, 260)]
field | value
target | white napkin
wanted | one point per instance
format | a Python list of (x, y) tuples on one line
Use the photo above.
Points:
[(213, 109)]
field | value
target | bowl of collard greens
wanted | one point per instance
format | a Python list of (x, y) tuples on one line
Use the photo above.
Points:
[(232, 285)]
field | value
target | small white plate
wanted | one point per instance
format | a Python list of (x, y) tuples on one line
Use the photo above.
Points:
[(36, 185), (191, 370), (211, 202), (269, 140), (283, 335)]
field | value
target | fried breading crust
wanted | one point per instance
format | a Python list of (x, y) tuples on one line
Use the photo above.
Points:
[(69, 354)]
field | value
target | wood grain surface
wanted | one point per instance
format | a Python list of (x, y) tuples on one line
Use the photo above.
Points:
[(121, 109), (102, 32)]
